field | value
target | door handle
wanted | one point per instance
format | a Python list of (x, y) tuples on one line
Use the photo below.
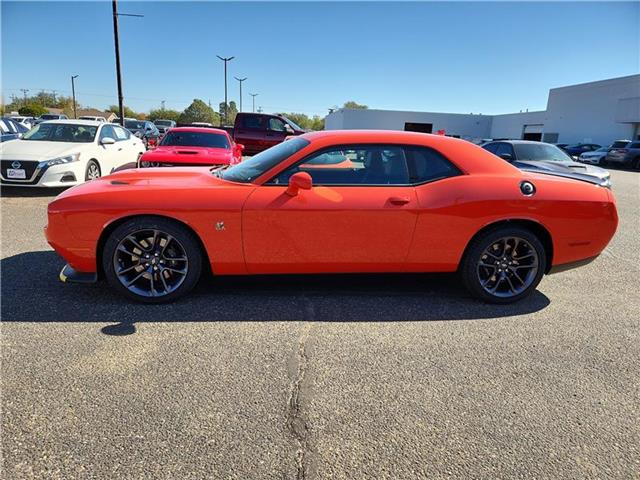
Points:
[(399, 200)]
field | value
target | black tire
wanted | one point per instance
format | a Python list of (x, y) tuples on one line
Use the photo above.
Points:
[(471, 269), (182, 240), (92, 167), (636, 163)]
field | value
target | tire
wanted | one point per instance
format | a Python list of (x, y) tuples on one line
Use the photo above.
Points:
[(509, 286), (92, 171), (636, 163), (131, 249)]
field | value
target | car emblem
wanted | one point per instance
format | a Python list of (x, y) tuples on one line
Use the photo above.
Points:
[(16, 165), (219, 226)]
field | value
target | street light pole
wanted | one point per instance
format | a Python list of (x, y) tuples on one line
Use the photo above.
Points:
[(254, 95), (226, 104), (73, 93), (116, 41), (240, 80)]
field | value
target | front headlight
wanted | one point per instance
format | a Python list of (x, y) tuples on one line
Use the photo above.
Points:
[(61, 160)]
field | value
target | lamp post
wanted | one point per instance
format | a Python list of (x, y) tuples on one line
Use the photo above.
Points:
[(240, 80), (116, 41), (73, 94), (254, 95), (226, 104)]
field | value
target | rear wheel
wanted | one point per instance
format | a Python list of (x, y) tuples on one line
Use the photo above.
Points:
[(503, 265), (152, 260)]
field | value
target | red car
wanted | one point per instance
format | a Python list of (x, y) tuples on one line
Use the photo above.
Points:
[(408, 202), (193, 147)]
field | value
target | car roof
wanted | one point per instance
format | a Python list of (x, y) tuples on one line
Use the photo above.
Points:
[(70, 121), (199, 129)]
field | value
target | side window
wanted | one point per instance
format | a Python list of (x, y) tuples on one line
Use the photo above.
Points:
[(121, 134), (352, 165), (276, 125), (426, 165), (253, 122), (505, 148), (491, 147), (107, 131)]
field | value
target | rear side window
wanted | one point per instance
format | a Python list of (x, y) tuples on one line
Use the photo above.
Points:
[(254, 122), (426, 165), (504, 148), (490, 147), (635, 145)]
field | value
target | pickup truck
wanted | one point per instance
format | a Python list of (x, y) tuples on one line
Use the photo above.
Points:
[(259, 131)]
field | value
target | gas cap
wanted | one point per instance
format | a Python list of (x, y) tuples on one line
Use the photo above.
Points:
[(527, 188)]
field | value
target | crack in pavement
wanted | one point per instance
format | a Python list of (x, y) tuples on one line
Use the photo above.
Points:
[(296, 421)]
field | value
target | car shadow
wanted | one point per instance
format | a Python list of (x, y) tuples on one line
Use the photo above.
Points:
[(31, 292), (7, 191)]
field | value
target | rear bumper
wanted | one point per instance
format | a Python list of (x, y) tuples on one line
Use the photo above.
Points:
[(571, 265)]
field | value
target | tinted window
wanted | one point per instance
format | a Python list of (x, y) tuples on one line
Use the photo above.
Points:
[(635, 145), (619, 144), (540, 152), (426, 165), (352, 165), (195, 139), (134, 125), (258, 164), (253, 121), (491, 147), (504, 149)]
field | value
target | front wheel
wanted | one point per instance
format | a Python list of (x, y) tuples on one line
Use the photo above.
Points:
[(93, 171), (503, 265), (152, 260)]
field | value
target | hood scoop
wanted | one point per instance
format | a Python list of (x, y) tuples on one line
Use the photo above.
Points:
[(187, 152)]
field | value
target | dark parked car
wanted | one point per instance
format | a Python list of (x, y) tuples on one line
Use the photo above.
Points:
[(539, 156), (578, 149), (625, 154), (164, 125), (144, 130), (259, 131), (10, 129), (50, 116)]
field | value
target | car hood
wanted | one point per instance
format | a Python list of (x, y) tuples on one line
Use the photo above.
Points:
[(563, 167), (189, 155), (37, 150)]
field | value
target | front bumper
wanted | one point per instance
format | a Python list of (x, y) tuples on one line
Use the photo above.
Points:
[(65, 175), (69, 275)]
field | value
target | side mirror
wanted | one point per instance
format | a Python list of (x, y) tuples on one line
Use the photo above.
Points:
[(240, 147), (107, 141), (506, 156), (288, 129), (299, 181)]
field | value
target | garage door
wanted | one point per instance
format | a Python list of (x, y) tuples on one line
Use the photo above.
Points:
[(532, 132)]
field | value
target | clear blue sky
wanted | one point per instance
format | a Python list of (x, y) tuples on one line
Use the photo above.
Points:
[(305, 57)]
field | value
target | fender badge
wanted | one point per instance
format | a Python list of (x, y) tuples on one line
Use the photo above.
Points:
[(219, 226)]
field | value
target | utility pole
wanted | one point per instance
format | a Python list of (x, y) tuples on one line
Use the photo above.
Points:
[(162, 104), (240, 80), (254, 95), (226, 104), (116, 41), (53, 93), (24, 92), (73, 93)]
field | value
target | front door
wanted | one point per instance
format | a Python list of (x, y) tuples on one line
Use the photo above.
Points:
[(359, 216)]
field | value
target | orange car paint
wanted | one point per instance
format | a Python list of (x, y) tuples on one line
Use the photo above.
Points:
[(338, 228)]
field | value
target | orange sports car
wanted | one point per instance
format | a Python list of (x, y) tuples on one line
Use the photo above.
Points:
[(396, 202)]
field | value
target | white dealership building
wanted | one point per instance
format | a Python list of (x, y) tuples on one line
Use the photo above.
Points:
[(595, 112)]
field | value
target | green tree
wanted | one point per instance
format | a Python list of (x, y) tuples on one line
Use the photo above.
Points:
[(127, 111), (354, 105), (163, 114), (32, 110), (232, 112), (198, 111), (317, 123)]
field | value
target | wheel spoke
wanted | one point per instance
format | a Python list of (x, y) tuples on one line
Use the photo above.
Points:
[(164, 282), (136, 244), (127, 269), (122, 248), (131, 282), (181, 272)]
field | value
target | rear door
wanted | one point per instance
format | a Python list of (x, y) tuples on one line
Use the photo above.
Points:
[(250, 131), (359, 216)]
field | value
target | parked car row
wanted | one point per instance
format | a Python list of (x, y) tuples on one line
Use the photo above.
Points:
[(11, 129)]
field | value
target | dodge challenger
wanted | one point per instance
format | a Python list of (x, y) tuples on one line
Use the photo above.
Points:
[(394, 202)]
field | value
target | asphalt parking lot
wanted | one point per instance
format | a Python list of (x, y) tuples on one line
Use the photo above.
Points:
[(321, 377)]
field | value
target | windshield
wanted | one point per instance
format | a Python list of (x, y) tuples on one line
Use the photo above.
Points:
[(195, 139), (251, 169), (293, 124), (602, 149), (163, 123), (540, 152), (619, 144), (134, 125), (61, 132)]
